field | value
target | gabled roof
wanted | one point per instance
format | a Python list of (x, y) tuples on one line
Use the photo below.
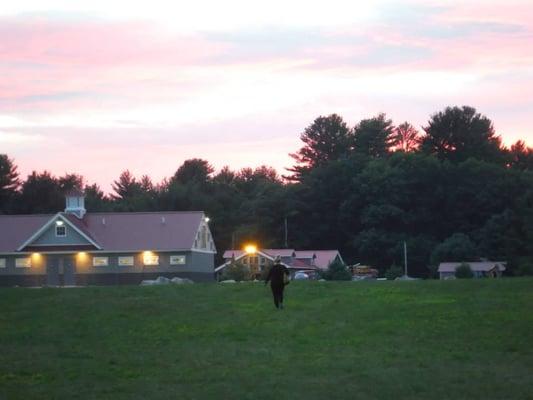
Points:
[(322, 258), (157, 231), (481, 266), (16, 229), (279, 252), (65, 218), (270, 252)]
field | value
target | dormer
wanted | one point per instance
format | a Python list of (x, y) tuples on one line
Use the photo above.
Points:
[(75, 203)]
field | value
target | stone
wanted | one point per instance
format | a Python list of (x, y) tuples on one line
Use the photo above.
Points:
[(180, 281), (161, 280)]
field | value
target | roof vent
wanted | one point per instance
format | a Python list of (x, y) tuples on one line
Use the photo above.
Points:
[(163, 221), (75, 203), (103, 221)]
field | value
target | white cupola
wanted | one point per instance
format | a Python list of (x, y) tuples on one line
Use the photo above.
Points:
[(75, 203)]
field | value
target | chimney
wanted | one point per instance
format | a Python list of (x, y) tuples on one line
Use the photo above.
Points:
[(75, 203)]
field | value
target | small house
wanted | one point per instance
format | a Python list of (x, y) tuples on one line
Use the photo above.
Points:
[(492, 269), (308, 261)]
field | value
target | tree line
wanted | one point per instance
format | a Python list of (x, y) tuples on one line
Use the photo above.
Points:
[(452, 192)]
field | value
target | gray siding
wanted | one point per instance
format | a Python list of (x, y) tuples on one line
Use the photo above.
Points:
[(198, 267), (49, 237)]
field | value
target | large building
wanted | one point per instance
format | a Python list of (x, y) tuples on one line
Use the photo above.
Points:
[(75, 247), (309, 261)]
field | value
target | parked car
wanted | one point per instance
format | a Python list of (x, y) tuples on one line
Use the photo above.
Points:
[(300, 276)]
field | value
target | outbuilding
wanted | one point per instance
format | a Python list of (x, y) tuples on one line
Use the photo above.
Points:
[(492, 269)]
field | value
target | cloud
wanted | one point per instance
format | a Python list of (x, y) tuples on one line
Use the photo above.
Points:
[(147, 86)]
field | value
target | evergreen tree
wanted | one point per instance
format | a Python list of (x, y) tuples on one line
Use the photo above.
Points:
[(9, 182), (373, 137), (457, 134), (326, 139)]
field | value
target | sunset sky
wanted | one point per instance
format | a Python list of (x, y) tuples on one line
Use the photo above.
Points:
[(97, 87)]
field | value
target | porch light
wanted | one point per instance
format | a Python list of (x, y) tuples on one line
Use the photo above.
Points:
[(250, 249), (207, 219)]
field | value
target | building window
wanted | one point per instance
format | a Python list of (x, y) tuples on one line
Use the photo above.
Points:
[(23, 262), (126, 261), (100, 261), (61, 231), (177, 260), (2, 262), (150, 258)]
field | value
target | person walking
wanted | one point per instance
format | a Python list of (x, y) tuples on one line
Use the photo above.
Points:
[(278, 277)]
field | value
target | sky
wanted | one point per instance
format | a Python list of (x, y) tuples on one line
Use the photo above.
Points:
[(103, 86)]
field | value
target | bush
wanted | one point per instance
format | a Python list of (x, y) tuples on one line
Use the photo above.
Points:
[(337, 271), (237, 272), (464, 271), (433, 272), (393, 272), (525, 268)]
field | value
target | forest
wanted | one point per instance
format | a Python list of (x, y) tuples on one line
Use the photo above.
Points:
[(451, 190)]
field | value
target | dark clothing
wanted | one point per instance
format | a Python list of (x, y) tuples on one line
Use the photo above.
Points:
[(276, 276), (277, 293)]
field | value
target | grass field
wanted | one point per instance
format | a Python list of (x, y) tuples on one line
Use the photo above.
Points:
[(470, 339)]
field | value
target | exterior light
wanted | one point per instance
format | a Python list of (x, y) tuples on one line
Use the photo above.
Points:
[(207, 219), (150, 258), (59, 223), (250, 249)]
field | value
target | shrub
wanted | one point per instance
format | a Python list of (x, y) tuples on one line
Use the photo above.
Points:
[(393, 272), (433, 272), (337, 271), (525, 268), (237, 272), (464, 271)]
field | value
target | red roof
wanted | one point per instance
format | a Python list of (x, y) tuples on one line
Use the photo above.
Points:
[(322, 258), (158, 231), (16, 229)]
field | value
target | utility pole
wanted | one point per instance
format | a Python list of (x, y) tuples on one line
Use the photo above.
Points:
[(286, 234), (405, 257)]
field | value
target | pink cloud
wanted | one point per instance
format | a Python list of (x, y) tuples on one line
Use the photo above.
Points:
[(50, 61)]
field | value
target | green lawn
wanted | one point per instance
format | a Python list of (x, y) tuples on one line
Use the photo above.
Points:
[(470, 339)]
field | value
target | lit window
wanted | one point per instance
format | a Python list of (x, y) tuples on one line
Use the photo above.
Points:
[(2, 262), (150, 258), (61, 231), (126, 261), (100, 261), (177, 260), (23, 262)]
